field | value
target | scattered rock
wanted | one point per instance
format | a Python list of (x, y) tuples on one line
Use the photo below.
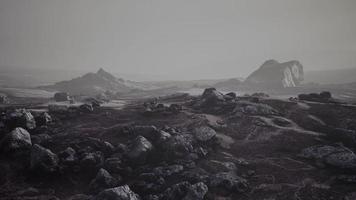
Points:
[(204, 133), (118, 193), (43, 160), (68, 156), (103, 180), (168, 171), (321, 97), (139, 150), (43, 119), (20, 118), (228, 181), (339, 157), (86, 108), (61, 96), (17, 141)]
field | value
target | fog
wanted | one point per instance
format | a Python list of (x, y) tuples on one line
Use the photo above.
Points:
[(176, 39)]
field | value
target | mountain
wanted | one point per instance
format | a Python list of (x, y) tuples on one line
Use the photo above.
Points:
[(277, 75), (94, 83)]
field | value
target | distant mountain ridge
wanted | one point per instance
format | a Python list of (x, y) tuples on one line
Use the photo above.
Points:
[(93, 83)]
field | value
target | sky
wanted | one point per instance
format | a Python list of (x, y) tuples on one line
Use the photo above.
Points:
[(180, 39)]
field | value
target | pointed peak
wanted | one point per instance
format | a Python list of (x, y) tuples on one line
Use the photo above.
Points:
[(101, 70)]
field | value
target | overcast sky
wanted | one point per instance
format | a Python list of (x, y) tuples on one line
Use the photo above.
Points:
[(181, 39)]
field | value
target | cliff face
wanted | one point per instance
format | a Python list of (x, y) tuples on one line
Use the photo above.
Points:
[(275, 74)]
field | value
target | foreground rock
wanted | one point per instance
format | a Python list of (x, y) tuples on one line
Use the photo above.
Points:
[(43, 160), (118, 193), (204, 133), (338, 157), (103, 180), (17, 141), (139, 150), (20, 118)]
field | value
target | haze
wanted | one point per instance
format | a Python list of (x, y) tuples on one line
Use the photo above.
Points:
[(176, 39)]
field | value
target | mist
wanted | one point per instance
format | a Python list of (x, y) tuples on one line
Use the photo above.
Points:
[(179, 40)]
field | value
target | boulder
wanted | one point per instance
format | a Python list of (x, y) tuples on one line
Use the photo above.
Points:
[(114, 165), (43, 119), (324, 96), (178, 145), (53, 108), (16, 141), (185, 191), (211, 97), (139, 150), (338, 157), (79, 197), (92, 160), (61, 96), (43, 160), (68, 156), (20, 118), (103, 180), (196, 192), (204, 133), (41, 139), (118, 193), (168, 170), (4, 99), (86, 108), (228, 181)]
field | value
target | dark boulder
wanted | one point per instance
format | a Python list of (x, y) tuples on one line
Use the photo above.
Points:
[(118, 193), (68, 156), (228, 181), (17, 141), (61, 96), (178, 145), (212, 97), (204, 133), (43, 160), (43, 119), (20, 118), (139, 150), (86, 108), (92, 160), (338, 157), (103, 180)]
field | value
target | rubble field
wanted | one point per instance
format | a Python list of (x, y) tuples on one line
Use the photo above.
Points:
[(214, 146)]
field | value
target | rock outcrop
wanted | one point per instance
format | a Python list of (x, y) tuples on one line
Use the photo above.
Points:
[(277, 75)]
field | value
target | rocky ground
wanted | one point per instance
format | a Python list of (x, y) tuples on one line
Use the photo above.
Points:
[(213, 146)]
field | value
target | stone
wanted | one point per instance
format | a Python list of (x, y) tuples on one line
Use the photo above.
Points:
[(61, 96), (139, 150), (204, 133), (168, 170), (118, 193), (43, 119), (16, 141), (228, 181), (196, 192), (87, 108), (20, 118), (103, 180), (43, 160)]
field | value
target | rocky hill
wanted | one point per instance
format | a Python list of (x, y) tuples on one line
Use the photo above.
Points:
[(93, 83), (275, 74)]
